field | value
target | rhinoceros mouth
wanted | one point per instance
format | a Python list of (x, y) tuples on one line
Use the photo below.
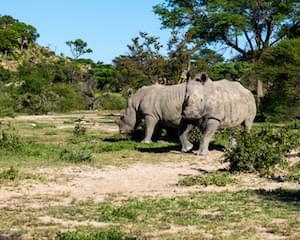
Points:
[(125, 131)]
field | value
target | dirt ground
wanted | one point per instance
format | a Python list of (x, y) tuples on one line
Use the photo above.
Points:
[(61, 186), (138, 180)]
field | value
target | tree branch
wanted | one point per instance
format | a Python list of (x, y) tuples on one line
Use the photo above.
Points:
[(232, 45), (249, 40)]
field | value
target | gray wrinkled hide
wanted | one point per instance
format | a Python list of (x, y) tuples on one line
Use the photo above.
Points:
[(217, 104), (155, 103)]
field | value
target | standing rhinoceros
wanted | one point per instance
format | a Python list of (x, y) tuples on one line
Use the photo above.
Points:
[(217, 105), (156, 104)]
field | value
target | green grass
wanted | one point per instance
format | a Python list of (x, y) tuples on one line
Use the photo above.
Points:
[(215, 178), (13, 174), (227, 215), (93, 234)]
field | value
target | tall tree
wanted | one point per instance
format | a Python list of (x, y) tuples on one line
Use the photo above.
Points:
[(78, 47), (248, 27)]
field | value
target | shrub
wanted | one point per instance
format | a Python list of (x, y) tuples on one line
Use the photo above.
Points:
[(79, 129), (9, 138), (109, 101), (261, 149), (109, 234), (82, 155), (10, 174), (218, 179), (7, 104)]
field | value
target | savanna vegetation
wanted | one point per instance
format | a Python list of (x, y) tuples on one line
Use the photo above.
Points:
[(51, 165)]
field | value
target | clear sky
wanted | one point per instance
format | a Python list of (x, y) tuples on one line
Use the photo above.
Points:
[(106, 25)]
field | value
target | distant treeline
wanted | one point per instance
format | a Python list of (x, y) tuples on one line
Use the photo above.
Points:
[(33, 79)]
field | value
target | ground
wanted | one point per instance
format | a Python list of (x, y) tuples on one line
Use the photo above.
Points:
[(133, 187)]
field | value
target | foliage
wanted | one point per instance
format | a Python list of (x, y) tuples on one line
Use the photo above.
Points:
[(10, 174), (279, 68), (15, 34), (260, 23), (105, 76), (79, 129), (7, 105), (262, 149), (78, 47), (110, 101), (144, 63), (9, 138), (229, 70), (77, 156), (106, 234), (218, 179)]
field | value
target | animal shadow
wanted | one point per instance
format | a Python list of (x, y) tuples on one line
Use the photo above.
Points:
[(164, 149)]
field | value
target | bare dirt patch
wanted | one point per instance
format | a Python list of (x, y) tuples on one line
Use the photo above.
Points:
[(137, 180)]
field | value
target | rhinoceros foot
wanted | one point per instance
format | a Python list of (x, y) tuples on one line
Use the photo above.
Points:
[(202, 153), (146, 141), (187, 148)]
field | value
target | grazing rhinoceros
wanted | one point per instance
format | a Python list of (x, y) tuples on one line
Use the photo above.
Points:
[(217, 105), (156, 104)]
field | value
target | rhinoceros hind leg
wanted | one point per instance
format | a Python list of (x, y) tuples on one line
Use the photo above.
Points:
[(208, 133), (150, 124)]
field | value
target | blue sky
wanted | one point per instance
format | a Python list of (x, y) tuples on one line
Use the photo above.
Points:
[(106, 25)]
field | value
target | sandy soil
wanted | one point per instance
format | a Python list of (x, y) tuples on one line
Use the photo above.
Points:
[(85, 183)]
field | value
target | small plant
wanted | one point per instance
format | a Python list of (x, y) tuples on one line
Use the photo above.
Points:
[(262, 149), (10, 174), (9, 138), (79, 129), (82, 155), (109, 234), (14, 174), (218, 179)]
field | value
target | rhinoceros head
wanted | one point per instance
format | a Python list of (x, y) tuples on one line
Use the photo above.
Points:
[(127, 121), (194, 102)]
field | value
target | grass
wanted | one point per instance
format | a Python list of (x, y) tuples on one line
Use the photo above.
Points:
[(93, 234), (215, 178), (215, 215), (249, 214), (13, 174)]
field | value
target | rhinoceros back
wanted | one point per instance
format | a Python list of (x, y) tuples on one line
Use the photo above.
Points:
[(162, 102), (232, 103)]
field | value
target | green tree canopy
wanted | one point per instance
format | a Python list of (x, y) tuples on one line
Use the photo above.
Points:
[(279, 68), (249, 27), (78, 47)]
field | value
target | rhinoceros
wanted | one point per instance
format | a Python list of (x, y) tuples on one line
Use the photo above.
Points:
[(156, 104), (217, 105)]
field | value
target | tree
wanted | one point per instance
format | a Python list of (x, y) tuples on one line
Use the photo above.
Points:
[(279, 68), (144, 64), (78, 47), (248, 27)]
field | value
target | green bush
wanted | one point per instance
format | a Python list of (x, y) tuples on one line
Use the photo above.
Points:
[(107, 234), (7, 105), (262, 149), (10, 174), (109, 101), (77, 156), (79, 129), (279, 69), (218, 179), (9, 138)]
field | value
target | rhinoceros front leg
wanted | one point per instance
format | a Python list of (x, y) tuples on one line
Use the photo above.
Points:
[(208, 133), (184, 129), (150, 124)]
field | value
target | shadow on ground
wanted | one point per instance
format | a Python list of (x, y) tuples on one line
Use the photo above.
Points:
[(289, 196), (8, 237)]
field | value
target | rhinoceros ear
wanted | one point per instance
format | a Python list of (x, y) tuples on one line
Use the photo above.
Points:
[(129, 92), (202, 77)]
